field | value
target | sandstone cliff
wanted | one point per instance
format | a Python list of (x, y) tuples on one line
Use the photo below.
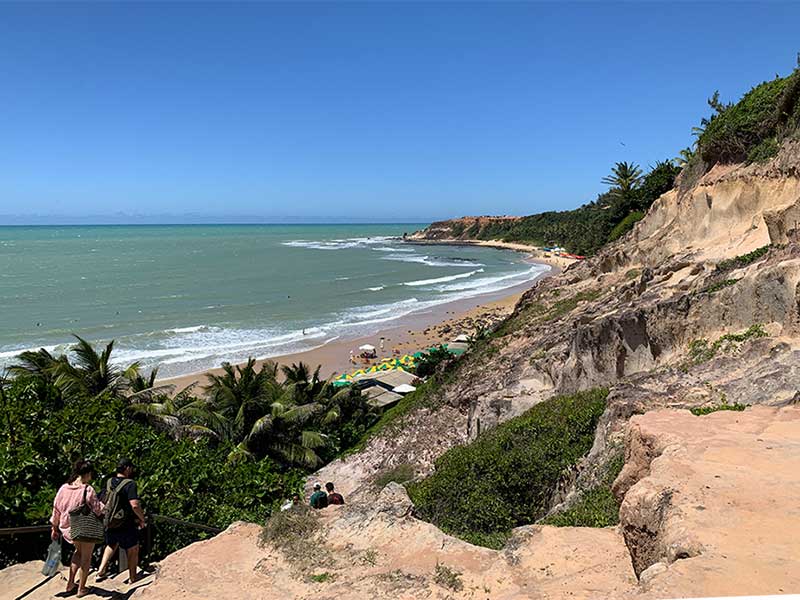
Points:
[(668, 319)]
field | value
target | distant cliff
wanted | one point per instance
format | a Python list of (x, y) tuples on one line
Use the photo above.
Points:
[(464, 228)]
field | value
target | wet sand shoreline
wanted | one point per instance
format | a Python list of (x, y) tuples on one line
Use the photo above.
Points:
[(408, 334)]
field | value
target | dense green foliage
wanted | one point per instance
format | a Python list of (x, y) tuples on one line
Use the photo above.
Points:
[(742, 260), (430, 361), (506, 477), (185, 479), (625, 225), (752, 128), (230, 455), (585, 229), (596, 507)]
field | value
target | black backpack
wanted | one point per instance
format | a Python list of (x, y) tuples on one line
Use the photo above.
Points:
[(118, 510)]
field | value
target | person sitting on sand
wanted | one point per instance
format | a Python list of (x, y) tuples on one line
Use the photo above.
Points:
[(74, 494), (319, 499), (333, 497)]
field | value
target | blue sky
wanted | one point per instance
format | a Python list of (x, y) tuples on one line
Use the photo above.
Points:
[(385, 111)]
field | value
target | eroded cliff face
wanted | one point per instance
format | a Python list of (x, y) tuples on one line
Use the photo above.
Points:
[(710, 508), (626, 319), (709, 504)]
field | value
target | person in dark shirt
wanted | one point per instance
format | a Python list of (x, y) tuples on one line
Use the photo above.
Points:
[(319, 499), (126, 534), (333, 497)]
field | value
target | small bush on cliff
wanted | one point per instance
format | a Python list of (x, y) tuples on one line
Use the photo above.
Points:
[(701, 350), (743, 259), (597, 506), (625, 225), (505, 478), (699, 411)]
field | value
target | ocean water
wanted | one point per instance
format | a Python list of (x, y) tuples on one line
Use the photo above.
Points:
[(188, 297)]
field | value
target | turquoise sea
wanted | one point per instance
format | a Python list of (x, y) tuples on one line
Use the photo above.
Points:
[(187, 297)]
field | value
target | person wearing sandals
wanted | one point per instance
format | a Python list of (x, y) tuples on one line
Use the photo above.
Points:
[(71, 496)]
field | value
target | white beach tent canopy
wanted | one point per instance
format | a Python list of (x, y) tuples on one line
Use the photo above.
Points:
[(404, 388), (462, 338), (367, 348)]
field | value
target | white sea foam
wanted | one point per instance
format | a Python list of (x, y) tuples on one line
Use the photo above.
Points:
[(435, 261), (377, 288), (491, 284), (393, 249), (337, 244), (442, 279)]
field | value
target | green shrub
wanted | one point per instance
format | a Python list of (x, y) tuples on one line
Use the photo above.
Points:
[(448, 577), (430, 361), (743, 259), (701, 351), (765, 111), (715, 287), (597, 506), (764, 151), (707, 410), (625, 225), (506, 477)]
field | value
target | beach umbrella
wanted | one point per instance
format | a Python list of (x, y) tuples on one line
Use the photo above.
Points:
[(404, 388), (367, 348)]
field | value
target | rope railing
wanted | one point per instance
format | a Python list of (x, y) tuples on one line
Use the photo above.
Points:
[(13, 531)]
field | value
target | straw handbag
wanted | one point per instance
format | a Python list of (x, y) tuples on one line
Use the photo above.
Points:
[(84, 525)]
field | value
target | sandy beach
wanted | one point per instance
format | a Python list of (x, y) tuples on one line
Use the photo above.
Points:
[(417, 331)]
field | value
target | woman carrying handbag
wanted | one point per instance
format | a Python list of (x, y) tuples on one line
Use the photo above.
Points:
[(77, 517)]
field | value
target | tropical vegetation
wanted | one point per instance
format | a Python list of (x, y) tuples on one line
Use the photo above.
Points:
[(232, 452)]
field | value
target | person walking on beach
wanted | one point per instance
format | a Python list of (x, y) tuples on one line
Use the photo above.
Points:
[(72, 495), (333, 497), (319, 499), (124, 518)]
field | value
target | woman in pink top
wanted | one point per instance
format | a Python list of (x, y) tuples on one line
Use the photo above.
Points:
[(68, 498)]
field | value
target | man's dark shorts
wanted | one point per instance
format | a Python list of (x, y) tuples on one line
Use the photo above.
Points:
[(127, 537)]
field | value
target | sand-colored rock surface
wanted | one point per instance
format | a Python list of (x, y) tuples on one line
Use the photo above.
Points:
[(711, 507), (368, 553), (717, 501)]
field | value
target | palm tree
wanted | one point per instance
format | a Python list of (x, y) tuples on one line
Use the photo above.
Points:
[(285, 433), (181, 415), (36, 364), (307, 384), (91, 373), (684, 156), (139, 382), (241, 395), (625, 177)]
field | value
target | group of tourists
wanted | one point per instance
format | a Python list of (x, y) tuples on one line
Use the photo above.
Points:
[(83, 518), (320, 499)]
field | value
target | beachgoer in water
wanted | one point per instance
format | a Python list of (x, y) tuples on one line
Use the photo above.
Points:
[(333, 497), (124, 531), (70, 496), (319, 499)]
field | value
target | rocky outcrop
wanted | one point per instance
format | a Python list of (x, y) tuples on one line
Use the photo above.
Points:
[(464, 228), (710, 507), (710, 503)]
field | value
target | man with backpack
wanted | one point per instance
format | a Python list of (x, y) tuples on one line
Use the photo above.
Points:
[(123, 519)]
